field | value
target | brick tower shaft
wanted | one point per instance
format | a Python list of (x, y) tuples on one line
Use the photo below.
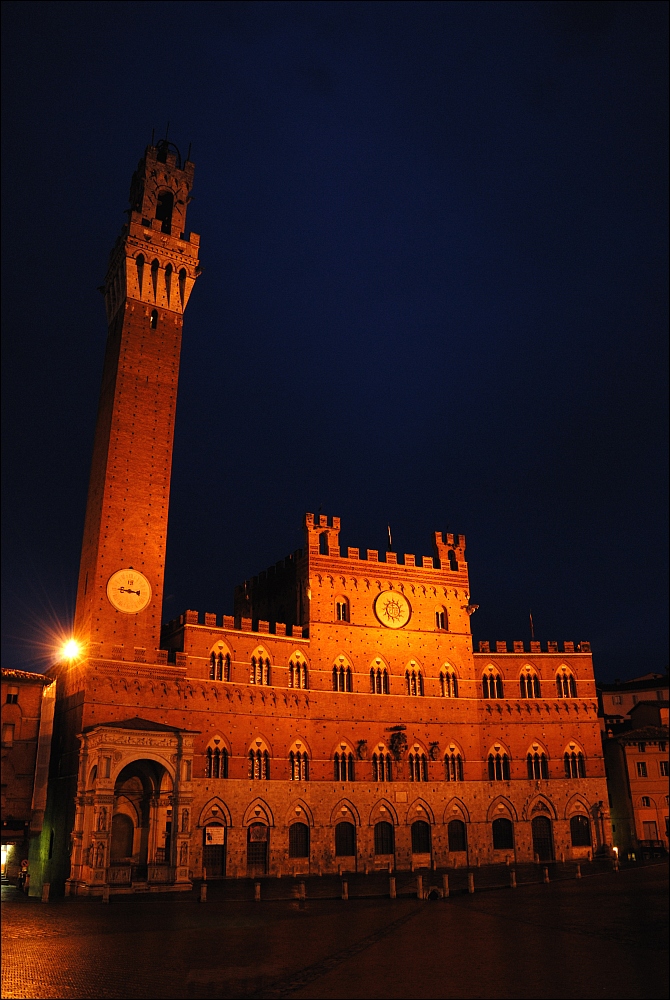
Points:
[(151, 274)]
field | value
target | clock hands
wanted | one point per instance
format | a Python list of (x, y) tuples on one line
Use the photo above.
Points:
[(127, 590)]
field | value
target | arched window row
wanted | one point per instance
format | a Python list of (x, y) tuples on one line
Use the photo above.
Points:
[(418, 767), (492, 685), (566, 686), (259, 765), (529, 684), (382, 769), (219, 667), (379, 680), (414, 682), (575, 765), (343, 766), (298, 763), (216, 763), (297, 675), (260, 670), (502, 836), (498, 767), (538, 766), (342, 679), (448, 684)]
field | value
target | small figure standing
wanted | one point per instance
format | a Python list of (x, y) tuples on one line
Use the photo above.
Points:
[(23, 875)]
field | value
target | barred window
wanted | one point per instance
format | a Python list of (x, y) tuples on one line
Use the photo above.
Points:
[(260, 670), (342, 679), (492, 684), (381, 767), (379, 680), (216, 762), (529, 684), (537, 765), (453, 767), (297, 674), (343, 766), (499, 767), (219, 666), (418, 767), (448, 683), (259, 765), (565, 684), (414, 682), (298, 765), (575, 766)]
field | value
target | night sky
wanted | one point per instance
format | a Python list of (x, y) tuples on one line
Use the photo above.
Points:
[(434, 295)]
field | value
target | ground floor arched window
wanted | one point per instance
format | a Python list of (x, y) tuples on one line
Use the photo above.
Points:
[(457, 835), (580, 831), (420, 837), (384, 838), (503, 834), (298, 840), (345, 840)]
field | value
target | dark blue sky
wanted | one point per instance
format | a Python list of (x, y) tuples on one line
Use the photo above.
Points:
[(434, 295)]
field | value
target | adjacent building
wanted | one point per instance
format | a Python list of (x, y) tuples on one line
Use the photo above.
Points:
[(27, 711)]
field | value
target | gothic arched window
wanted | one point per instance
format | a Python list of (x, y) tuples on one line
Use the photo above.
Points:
[(260, 670), (503, 834), (565, 684), (580, 831), (418, 766), (498, 766), (441, 621), (420, 837), (457, 835), (379, 680), (529, 684), (298, 765), (219, 666), (384, 838), (448, 683), (297, 673), (342, 610), (342, 678), (492, 684), (413, 682), (259, 763), (381, 766), (345, 840), (216, 762), (575, 766), (453, 766), (298, 840), (537, 764), (343, 765)]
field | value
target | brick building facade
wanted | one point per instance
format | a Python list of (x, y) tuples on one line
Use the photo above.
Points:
[(338, 720)]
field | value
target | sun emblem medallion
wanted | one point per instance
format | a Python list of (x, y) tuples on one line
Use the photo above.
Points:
[(392, 609)]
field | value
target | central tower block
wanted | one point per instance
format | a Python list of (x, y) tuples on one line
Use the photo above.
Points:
[(151, 273)]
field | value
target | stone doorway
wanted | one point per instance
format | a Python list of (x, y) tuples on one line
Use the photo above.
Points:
[(214, 850), (257, 850), (543, 841)]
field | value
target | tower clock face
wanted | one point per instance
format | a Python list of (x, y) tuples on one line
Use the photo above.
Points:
[(392, 609), (129, 591)]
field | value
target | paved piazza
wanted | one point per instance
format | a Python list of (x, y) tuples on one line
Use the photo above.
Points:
[(601, 936)]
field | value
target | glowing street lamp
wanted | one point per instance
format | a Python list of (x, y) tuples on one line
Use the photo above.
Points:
[(71, 650)]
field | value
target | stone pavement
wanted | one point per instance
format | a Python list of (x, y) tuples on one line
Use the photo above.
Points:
[(603, 936)]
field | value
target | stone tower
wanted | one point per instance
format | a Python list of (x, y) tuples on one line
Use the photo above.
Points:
[(151, 273)]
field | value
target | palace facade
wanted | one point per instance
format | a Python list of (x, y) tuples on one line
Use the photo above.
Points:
[(338, 720)]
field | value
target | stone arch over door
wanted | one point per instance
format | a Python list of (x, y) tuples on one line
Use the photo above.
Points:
[(299, 812), (345, 810), (215, 810), (258, 811), (501, 807), (539, 805), (382, 811)]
